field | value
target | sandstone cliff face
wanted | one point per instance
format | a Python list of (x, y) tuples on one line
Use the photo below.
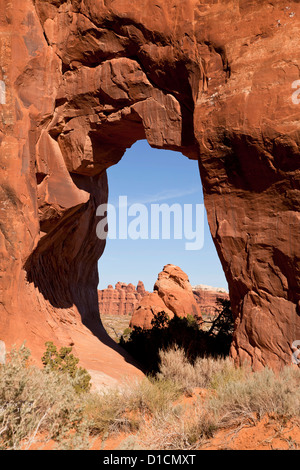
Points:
[(172, 294), (149, 306), (83, 81), (207, 298), (122, 300), (125, 298)]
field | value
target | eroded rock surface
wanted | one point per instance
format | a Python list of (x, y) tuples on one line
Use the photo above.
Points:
[(83, 81), (125, 298), (150, 305), (207, 298), (172, 294), (122, 300)]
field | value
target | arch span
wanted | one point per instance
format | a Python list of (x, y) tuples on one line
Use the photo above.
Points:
[(91, 78)]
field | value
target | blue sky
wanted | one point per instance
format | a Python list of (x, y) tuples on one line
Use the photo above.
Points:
[(146, 176)]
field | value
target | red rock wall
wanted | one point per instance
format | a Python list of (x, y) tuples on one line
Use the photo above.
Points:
[(207, 298), (125, 298), (84, 81), (122, 300)]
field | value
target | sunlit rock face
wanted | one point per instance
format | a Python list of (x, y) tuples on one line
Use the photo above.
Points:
[(122, 300), (172, 294), (208, 298), (83, 80)]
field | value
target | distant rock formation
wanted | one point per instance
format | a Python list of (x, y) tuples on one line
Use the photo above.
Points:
[(172, 294), (150, 305), (207, 296), (125, 298), (122, 300)]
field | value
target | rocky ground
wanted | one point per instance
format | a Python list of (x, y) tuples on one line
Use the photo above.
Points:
[(267, 434), (115, 325)]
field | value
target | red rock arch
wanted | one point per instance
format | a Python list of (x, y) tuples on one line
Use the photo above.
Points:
[(84, 81)]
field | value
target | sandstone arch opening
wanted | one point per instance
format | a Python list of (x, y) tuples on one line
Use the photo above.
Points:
[(148, 176), (152, 180)]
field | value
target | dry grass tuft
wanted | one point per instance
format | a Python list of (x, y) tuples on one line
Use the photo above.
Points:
[(257, 394), (128, 407), (203, 373), (179, 428)]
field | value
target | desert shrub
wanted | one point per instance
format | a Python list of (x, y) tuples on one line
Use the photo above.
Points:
[(178, 428), (65, 362), (186, 333), (236, 395), (247, 396), (125, 408), (152, 395), (174, 366), (37, 407), (223, 323), (203, 372), (107, 413), (126, 333)]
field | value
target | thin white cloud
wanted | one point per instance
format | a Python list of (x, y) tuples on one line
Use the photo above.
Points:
[(161, 196)]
